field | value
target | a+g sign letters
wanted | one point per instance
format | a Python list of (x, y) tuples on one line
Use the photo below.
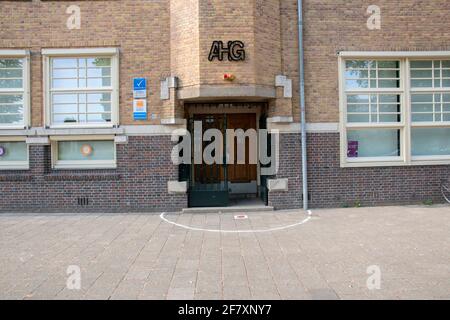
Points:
[(234, 50)]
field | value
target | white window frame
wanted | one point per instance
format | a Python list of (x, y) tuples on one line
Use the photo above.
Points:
[(15, 165), (25, 91), (405, 125), (80, 165), (112, 53)]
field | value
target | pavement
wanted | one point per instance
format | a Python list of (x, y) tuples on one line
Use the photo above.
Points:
[(354, 253)]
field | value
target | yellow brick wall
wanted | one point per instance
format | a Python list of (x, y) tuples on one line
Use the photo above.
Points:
[(160, 38)]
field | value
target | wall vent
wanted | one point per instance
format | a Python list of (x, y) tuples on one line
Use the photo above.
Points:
[(83, 201)]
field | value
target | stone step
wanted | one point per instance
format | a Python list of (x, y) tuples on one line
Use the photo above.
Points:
[(233, 209)]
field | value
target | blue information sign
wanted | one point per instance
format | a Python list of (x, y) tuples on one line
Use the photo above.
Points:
[(139, 84)]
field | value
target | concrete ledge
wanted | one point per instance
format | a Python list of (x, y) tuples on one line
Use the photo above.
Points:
[(77, 131), (237, 209), (167, 84), (278, 184), (226, 91), (177, 187), (283, 81), (38, 140), (16, 132), (282, 119), (332, 127), (151, 130), (121, 139), (173, 121)]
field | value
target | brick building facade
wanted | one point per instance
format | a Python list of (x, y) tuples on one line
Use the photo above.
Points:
[(70, 140)]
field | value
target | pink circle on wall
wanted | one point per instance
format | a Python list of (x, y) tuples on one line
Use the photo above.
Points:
[(2, 151)]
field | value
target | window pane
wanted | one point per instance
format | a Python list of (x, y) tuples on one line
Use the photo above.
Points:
[(11, 63), (65, 84), (85, 150), (11, 108), (11, 119), (10, 73), (430, 141), (11, 83), (64, 63), (64, 98), (422, 98), (65, 108), (65, 73), (422, 117), (101, 117), (357, 84), (98, 62), (358, 118), (10, 98), (388, 83), (64, 118), (98, 82), (99, 97), (446, 73), (99, 107), (358, 108), (389, 64), (388, 74), (389, 108), (362, 64), (389, 118), (423, 107), (99, 72), (422, 74), (422, 64), (424, 83), (13, 151), (373, 143)]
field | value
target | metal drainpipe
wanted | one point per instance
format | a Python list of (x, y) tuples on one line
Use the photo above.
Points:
[(302, 104)]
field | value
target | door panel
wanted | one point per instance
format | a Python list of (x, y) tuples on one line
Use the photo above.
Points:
[(242, 173)]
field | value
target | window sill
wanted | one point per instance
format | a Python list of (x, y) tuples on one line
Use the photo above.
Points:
[(401, 163), (89, 166), (15, 167), (15, 177), (86, 176), (21, 127), (85, 126)]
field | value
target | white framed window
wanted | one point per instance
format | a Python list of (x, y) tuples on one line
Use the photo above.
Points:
[(93, 152), (373, 99), (14, 89), (394, 108), (13, 153), (81, 87), (430, 109)]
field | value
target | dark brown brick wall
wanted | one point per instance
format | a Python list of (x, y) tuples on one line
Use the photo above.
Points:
[(332, 186), (139, 184)]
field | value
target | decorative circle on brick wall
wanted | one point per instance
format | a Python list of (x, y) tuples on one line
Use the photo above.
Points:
[(2, 151), (162, 216), (86, 150)]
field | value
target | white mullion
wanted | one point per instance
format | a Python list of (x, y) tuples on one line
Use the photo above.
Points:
[(434, 107), (405, 109), (432, 73), (378, 108), (78, 108)]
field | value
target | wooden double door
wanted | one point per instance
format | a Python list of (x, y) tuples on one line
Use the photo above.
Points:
[(230, 171)]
